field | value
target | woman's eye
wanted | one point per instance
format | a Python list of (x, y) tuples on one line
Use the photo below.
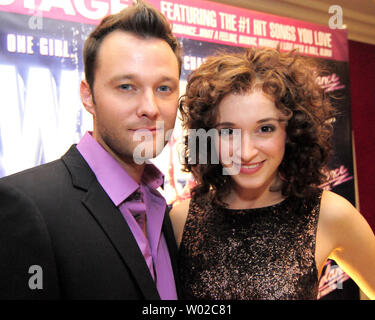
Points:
[(267, 129), (225, 131)]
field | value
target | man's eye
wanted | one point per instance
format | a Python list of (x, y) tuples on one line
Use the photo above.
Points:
[(164, 89), (125, 86)]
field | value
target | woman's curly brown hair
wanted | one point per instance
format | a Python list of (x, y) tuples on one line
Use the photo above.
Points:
[(287, 78)]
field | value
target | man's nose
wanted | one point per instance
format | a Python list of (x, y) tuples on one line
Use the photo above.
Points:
[(148, 106)]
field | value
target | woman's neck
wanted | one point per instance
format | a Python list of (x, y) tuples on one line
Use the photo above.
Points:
[(248, 199)]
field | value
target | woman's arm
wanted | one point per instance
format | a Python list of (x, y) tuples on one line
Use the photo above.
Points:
[(351, 240)]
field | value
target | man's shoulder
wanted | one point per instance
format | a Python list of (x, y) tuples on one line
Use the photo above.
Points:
[(45, 177), (35, 174)]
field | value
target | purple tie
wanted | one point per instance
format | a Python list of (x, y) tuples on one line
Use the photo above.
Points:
[(137, 208)]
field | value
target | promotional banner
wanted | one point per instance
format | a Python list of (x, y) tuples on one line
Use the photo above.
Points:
[(41, 68)]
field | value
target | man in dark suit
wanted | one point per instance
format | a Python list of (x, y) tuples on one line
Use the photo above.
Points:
[(92, 225)]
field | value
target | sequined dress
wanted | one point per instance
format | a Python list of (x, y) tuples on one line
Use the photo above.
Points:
[(263, 253)]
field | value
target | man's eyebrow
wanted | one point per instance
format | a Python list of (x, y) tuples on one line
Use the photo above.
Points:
[(123, 77)]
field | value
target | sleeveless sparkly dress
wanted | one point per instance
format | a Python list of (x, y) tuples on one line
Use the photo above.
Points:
[(260, 254)]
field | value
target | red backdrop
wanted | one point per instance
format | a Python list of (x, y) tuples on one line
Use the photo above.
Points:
[(362, 83)]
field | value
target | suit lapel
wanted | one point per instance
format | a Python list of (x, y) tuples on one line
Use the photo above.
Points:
[(109, 217), (119, 233)]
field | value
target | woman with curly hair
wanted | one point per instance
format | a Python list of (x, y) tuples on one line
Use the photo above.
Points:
[(257, 225)]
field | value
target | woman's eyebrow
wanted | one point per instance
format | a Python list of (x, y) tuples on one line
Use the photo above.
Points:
[(224, 124), (269, 119)]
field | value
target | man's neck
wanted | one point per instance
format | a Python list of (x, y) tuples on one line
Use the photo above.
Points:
[(134, 170)]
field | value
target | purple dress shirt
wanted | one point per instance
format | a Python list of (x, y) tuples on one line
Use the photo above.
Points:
[(119, 186)]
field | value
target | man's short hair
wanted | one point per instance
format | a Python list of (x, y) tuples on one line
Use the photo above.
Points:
[(142, 20)]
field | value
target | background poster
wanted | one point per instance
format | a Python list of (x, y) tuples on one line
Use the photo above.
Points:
[(41, 67)]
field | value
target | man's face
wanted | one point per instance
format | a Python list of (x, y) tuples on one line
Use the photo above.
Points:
[(136, 88)]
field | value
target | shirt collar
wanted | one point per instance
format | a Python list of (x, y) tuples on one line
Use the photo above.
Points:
[(114, 179)]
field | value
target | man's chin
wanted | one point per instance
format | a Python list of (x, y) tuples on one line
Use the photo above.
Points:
[(143, 152), (143, 160)]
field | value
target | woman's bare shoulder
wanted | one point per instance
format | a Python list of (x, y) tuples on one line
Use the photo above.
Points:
[(178, 215)]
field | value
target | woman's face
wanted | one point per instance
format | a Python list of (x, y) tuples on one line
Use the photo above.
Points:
[(252, 153)]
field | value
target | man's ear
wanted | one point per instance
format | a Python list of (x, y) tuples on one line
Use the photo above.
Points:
[(87, 97)]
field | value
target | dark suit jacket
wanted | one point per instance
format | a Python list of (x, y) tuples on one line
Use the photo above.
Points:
[(58, 217)]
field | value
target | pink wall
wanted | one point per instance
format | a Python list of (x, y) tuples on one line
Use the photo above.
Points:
[(362, 84)]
